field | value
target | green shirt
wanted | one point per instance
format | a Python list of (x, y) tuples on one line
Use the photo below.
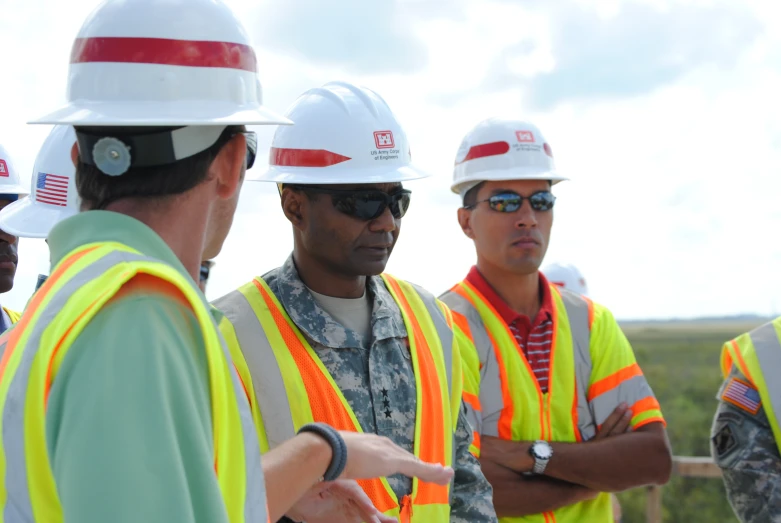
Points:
[(128, 425)]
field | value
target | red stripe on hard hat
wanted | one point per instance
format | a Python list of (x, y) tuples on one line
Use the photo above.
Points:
[(486, 149), (305, 157), (162, 51)]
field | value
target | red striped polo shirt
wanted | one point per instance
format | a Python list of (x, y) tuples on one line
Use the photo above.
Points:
[(534, 339)]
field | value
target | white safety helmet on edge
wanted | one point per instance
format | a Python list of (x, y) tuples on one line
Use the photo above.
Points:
[(186, 64), (53, 196), (342, 134), (10, 187), (566, 276), (500, 149)]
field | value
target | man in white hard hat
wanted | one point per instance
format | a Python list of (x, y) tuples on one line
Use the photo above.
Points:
[(566, 276), (53, 195), (328, 337), (10, 191), (564, 411), (118, 396)]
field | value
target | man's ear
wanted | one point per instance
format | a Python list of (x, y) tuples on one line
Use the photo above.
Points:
[(465, 221), (75, 154), (228, 166), (295, 205)]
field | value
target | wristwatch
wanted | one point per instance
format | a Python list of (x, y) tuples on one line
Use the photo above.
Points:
[(542, 452)]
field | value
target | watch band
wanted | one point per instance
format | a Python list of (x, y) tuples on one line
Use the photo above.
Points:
[(338, 448), (540, 462), (540, 465)]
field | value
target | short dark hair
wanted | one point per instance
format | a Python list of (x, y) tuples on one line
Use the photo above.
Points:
[(470, 198), (97, 189)]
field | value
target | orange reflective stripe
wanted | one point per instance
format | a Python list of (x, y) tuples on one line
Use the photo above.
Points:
[(546, 412), (463, 324), (505, 423), (726, 361), (613, 381), (476, 439), (644, 405), (590, 311), (35, 302), (432, 430), (472, 400), (735, 347), (325, 403), (575, 427)]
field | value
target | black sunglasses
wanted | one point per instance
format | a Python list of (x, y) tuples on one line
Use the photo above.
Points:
[(205, 272), (510, 201), (364, 204)]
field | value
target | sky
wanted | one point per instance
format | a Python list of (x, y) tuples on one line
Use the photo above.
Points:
[(663, 113)]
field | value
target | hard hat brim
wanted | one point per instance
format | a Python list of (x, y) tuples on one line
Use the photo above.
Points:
[(508, 175), (26, 219), (160, 114), (14, 189), (334, 175)]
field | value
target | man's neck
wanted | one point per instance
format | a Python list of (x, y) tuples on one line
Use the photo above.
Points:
[(521, 292), (324, 281), (183, 231)]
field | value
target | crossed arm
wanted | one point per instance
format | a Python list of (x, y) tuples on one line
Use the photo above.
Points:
[(613, 461)]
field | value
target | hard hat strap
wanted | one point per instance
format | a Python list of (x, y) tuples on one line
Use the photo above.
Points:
[(114, 154)]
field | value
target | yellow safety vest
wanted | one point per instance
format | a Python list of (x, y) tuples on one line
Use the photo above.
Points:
[(580, 395), (755, 354), (273, 356), (33, 351)]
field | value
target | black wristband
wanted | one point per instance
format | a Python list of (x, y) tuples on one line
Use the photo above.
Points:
[(338, 448)]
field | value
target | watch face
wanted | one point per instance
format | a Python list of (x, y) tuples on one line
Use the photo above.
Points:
[(542, 451)]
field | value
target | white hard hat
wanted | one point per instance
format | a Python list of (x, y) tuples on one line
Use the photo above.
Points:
[(9, 177), (566, 276), (162, 63), (499, 149), (343, 134), (53, 196)]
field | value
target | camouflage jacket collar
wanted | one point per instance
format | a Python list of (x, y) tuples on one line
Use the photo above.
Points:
[(320, 326)]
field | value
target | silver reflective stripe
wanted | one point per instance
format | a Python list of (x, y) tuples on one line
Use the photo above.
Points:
[(577, 314), (630, 392), (444, 332), (446, 340), (491, 400), (263, 368), (18, 506), (768, 349), (255, 495)]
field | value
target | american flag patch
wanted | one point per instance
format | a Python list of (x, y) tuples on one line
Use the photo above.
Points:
[(742, 395), (52, 189)]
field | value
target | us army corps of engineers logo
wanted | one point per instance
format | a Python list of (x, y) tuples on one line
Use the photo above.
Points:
[(385, 146)]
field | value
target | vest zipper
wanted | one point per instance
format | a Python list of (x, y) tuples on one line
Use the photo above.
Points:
[(406, 510)]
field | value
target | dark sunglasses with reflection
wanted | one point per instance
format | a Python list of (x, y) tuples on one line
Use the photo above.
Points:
[(364, 204), (509, 201)]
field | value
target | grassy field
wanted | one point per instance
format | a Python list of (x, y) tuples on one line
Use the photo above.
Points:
[(681, 362)]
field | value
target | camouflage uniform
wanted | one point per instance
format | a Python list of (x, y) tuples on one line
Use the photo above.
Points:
[(742, 444), (377, 380)]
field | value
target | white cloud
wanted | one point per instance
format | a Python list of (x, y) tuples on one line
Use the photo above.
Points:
[(673, 200)]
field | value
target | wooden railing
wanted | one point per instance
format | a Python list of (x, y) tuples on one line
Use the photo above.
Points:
[(683, 466)]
